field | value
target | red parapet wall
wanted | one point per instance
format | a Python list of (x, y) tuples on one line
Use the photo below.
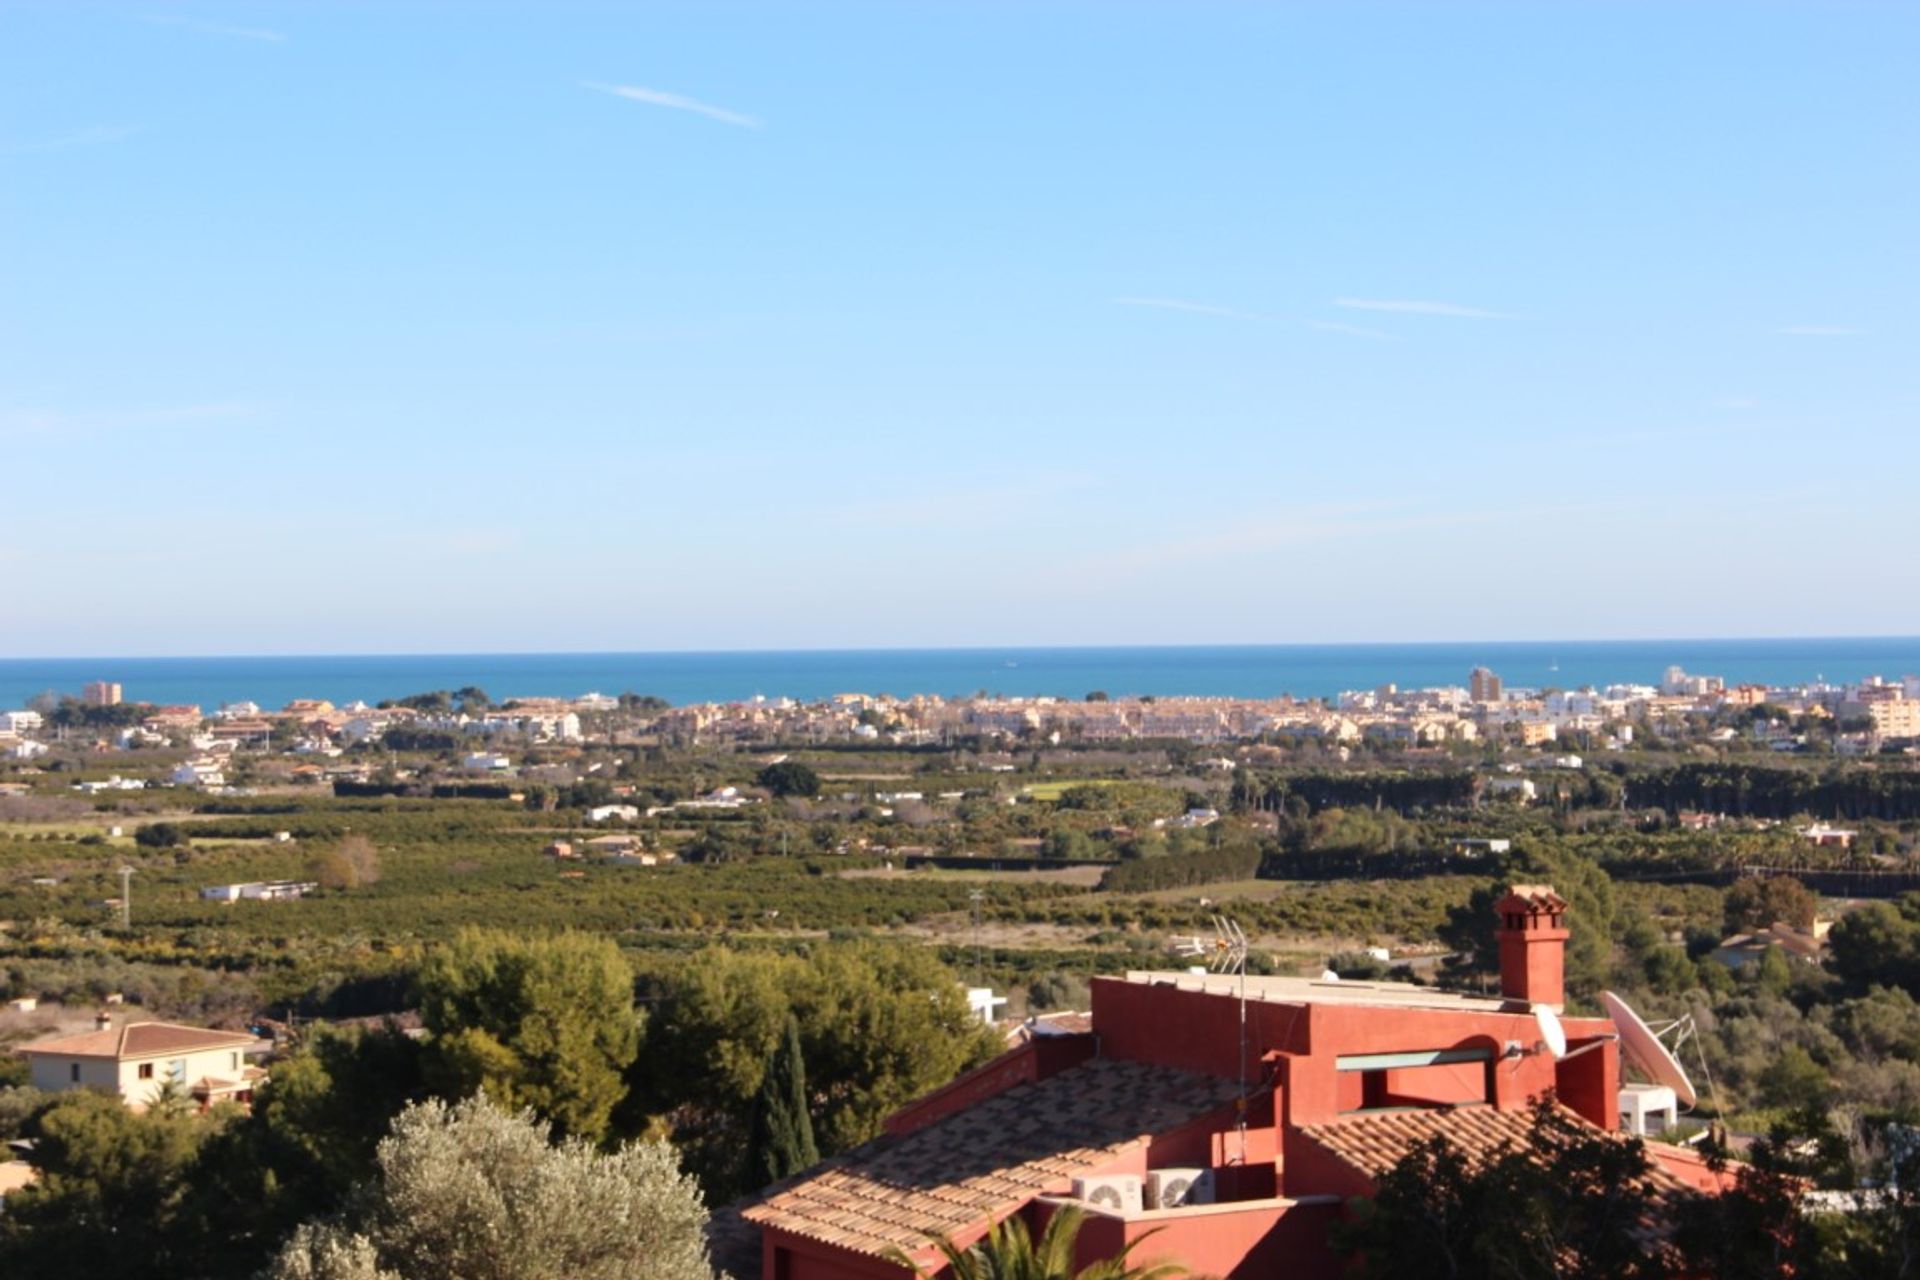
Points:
[(1190, 1030)]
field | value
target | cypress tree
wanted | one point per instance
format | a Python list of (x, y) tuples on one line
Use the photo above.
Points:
[(780, 1142)]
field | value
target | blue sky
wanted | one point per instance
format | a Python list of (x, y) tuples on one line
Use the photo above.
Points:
[(506, 327)]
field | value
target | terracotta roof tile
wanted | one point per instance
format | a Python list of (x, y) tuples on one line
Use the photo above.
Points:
[(141, 1040), (989, 1159), (1373, 1144)]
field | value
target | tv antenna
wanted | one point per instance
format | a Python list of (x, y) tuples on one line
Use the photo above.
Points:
[(1226, 953)]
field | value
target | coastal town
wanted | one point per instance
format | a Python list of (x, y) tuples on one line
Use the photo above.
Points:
[(317, 740)]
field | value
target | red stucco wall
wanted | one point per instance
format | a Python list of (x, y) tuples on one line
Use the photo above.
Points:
[(1265, 1239), (785, 1256)]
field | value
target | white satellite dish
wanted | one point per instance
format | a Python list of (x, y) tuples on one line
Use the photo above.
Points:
[(1645, 1050), (1328, 975), (1552, 1034)]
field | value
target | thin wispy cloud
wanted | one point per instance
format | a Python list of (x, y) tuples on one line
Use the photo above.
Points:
[(93, 136), (1192, 308), (676, 102), (1407, 307), (259, 35), (1317, 522), (482, 543), (1312, 524), (1820, 331), (22, 423), (955, 508), (1667, 435), (1231, 313), (1353, 330)]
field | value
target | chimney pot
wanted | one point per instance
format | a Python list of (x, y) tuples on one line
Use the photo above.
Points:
[(103, 1021), (1533, 944)]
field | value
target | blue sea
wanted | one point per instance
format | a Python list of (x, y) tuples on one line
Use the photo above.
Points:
[(1316, 670)]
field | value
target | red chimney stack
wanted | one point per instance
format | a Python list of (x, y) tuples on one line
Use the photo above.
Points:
[(1533, 945)]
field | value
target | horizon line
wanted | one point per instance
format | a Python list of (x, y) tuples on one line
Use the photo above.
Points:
[(965, 648)]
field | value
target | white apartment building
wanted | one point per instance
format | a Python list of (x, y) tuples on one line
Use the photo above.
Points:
[(21, 721)]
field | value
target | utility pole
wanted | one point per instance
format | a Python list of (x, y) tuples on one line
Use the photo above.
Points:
[(976, 897), (126, 898)]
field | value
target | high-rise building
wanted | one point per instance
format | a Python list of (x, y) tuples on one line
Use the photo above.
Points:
[(1895, 718), (101, 693), (1483, 685)]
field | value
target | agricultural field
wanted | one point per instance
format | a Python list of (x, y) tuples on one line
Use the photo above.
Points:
[(1062, 865)]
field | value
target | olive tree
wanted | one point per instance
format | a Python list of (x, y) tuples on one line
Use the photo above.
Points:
[(469, 1192)]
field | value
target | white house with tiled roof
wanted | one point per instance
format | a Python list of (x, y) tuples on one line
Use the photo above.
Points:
[(138, 1059)]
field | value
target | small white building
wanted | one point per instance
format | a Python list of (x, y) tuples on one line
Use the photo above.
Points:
[(133, 737), (137, 1060), (1521, 789), (486, 762), (984, 1005), (258, 891), (115, 783), (200, 773), (624, 812), (1647, 1110)]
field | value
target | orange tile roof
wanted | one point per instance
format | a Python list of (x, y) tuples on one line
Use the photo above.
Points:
[(1537, 897), (141, 1040), (983, 1163), (1374, 1144), (1019, 1031)]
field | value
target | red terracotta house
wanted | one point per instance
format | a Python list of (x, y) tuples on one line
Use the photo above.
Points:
[(1234, 1130)]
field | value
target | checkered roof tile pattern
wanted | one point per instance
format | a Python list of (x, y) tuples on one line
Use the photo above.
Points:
[(990, 1159)]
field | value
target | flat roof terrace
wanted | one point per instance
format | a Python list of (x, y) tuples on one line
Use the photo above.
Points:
[(1393, 995)]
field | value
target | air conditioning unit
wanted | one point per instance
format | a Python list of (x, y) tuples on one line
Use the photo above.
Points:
[(1178, 1188), (1117, 1194)]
